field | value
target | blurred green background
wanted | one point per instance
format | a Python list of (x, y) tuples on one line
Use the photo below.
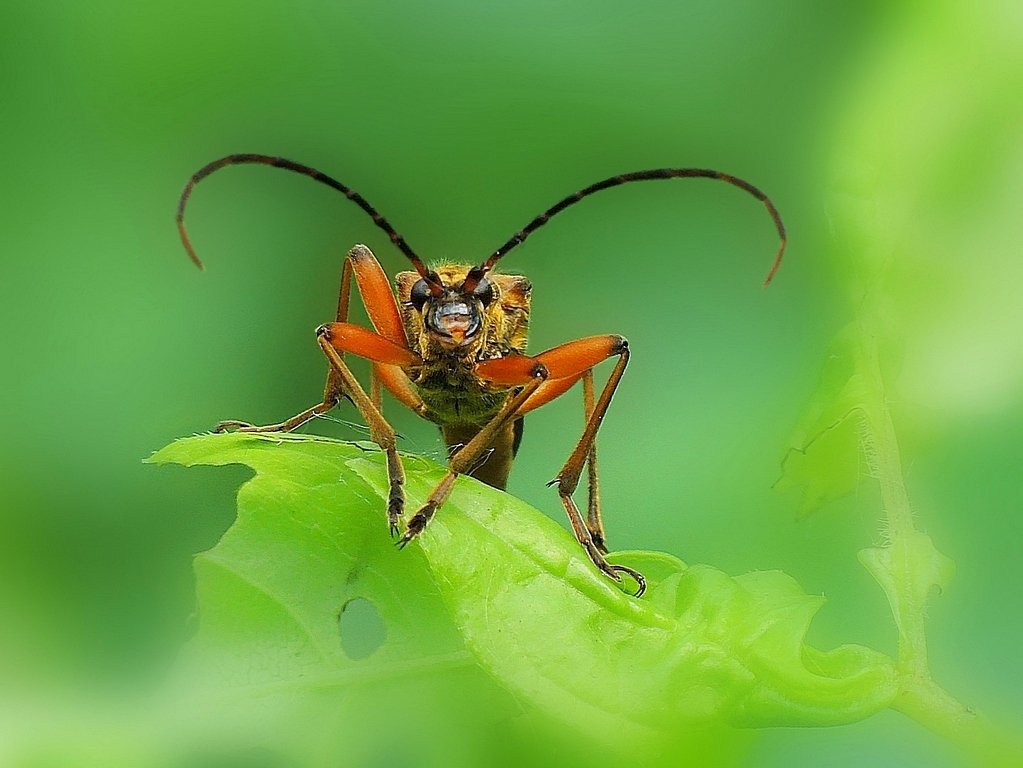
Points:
[(460, 121)]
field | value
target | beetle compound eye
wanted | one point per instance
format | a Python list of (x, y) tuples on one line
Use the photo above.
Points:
[(420, 293), (484, 291)]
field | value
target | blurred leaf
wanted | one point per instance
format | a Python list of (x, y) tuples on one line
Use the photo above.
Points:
[(702, 649), (824, 455), (924, 200)]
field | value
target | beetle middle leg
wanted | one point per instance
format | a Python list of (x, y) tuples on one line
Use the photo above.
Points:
[(386, 348), (332, 391), (376, 295)]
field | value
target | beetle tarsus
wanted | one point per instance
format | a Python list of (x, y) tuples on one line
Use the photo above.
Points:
[(614, 570), (417, 524), (240, 426), (395, 509)]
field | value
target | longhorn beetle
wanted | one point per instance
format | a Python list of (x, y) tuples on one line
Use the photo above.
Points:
[(449, 343)]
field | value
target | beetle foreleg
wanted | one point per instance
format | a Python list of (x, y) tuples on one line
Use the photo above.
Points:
[(380, 431), (464, 459), (568, 363)]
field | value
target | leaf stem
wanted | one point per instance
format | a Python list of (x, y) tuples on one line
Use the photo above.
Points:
[(924, 701), (886, 459), (914, 566)]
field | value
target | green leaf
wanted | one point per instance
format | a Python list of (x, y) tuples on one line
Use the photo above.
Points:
[(702, 649), (296, 580)]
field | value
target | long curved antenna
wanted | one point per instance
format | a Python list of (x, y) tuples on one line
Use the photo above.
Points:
[(477, 273), (305, 170)]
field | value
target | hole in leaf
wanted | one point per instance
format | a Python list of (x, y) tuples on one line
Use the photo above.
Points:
[(362, 629)]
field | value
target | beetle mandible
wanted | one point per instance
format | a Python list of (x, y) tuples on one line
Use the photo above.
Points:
[(450, 344)]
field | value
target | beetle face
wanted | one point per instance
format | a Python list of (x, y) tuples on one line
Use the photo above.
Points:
[(454, 319)]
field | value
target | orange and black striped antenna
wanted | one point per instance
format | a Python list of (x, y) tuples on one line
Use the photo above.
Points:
[(476, 273), (279, 162)]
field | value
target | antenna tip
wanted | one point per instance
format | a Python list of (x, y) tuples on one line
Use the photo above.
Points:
[(776, 264)]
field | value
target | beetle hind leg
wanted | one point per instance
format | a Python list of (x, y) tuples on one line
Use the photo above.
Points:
[(594, 519)]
